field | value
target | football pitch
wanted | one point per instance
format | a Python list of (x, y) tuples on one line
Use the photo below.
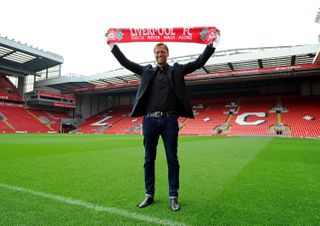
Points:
[(56, 179)]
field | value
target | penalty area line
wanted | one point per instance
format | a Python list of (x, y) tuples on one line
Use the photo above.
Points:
[(92, 206)]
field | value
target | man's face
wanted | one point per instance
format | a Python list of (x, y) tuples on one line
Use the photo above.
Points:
[(161, 54)]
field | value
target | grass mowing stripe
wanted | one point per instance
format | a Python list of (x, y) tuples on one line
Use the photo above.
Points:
[(92, 206), (224, 180), (280, 186)]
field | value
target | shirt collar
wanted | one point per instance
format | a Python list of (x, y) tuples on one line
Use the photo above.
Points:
[(163, 69)]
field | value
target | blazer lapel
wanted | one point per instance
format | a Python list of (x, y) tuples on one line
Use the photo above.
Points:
[(170, 76), (150, 75)]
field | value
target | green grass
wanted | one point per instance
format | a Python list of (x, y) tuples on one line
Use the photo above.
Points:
[(223, 181)]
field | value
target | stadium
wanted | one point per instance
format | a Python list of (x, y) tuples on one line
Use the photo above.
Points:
[(71, 153)]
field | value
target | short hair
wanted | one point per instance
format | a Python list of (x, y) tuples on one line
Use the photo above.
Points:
[(161, 44)]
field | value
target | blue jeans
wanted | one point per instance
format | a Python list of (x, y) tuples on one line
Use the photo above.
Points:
[(167, 127)]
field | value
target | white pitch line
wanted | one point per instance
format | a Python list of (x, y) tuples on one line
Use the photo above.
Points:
[(93, 206)]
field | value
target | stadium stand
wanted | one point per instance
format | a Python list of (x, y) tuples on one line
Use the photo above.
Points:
[(16, 118), (22, 121), (257, 120), (268, 91), (40, 111), (113, 121), (258, 116), (303, 116), (8, 91)]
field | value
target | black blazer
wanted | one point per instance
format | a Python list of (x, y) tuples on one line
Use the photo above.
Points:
[(176, 77)]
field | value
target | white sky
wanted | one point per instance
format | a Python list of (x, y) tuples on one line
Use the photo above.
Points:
[(75, 28)]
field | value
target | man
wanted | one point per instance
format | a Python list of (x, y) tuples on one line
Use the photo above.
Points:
[(161, 98)]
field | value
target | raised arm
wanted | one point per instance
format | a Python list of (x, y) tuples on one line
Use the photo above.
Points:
[(203, 58), (122, 59)]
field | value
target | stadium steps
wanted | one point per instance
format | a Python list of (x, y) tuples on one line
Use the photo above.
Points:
[(21, 120), (54, 117), (8, 124), (182, 122), (6, 127), (221, 115), (37, 118)]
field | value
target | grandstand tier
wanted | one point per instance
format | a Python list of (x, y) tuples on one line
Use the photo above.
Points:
[(241, 116), (269, 91)]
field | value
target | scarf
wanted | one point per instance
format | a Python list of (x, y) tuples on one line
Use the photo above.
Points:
[(202, 35)]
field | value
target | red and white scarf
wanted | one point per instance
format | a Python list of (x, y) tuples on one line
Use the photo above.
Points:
[(202, 35)]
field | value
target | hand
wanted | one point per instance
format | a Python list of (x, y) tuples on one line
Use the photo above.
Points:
[(108, 38), (216, 40)]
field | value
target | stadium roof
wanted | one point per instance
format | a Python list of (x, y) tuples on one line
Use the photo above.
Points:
[(20, 59), (231, 64)]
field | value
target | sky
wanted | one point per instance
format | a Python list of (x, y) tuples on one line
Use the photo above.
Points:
[(75, 29)]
